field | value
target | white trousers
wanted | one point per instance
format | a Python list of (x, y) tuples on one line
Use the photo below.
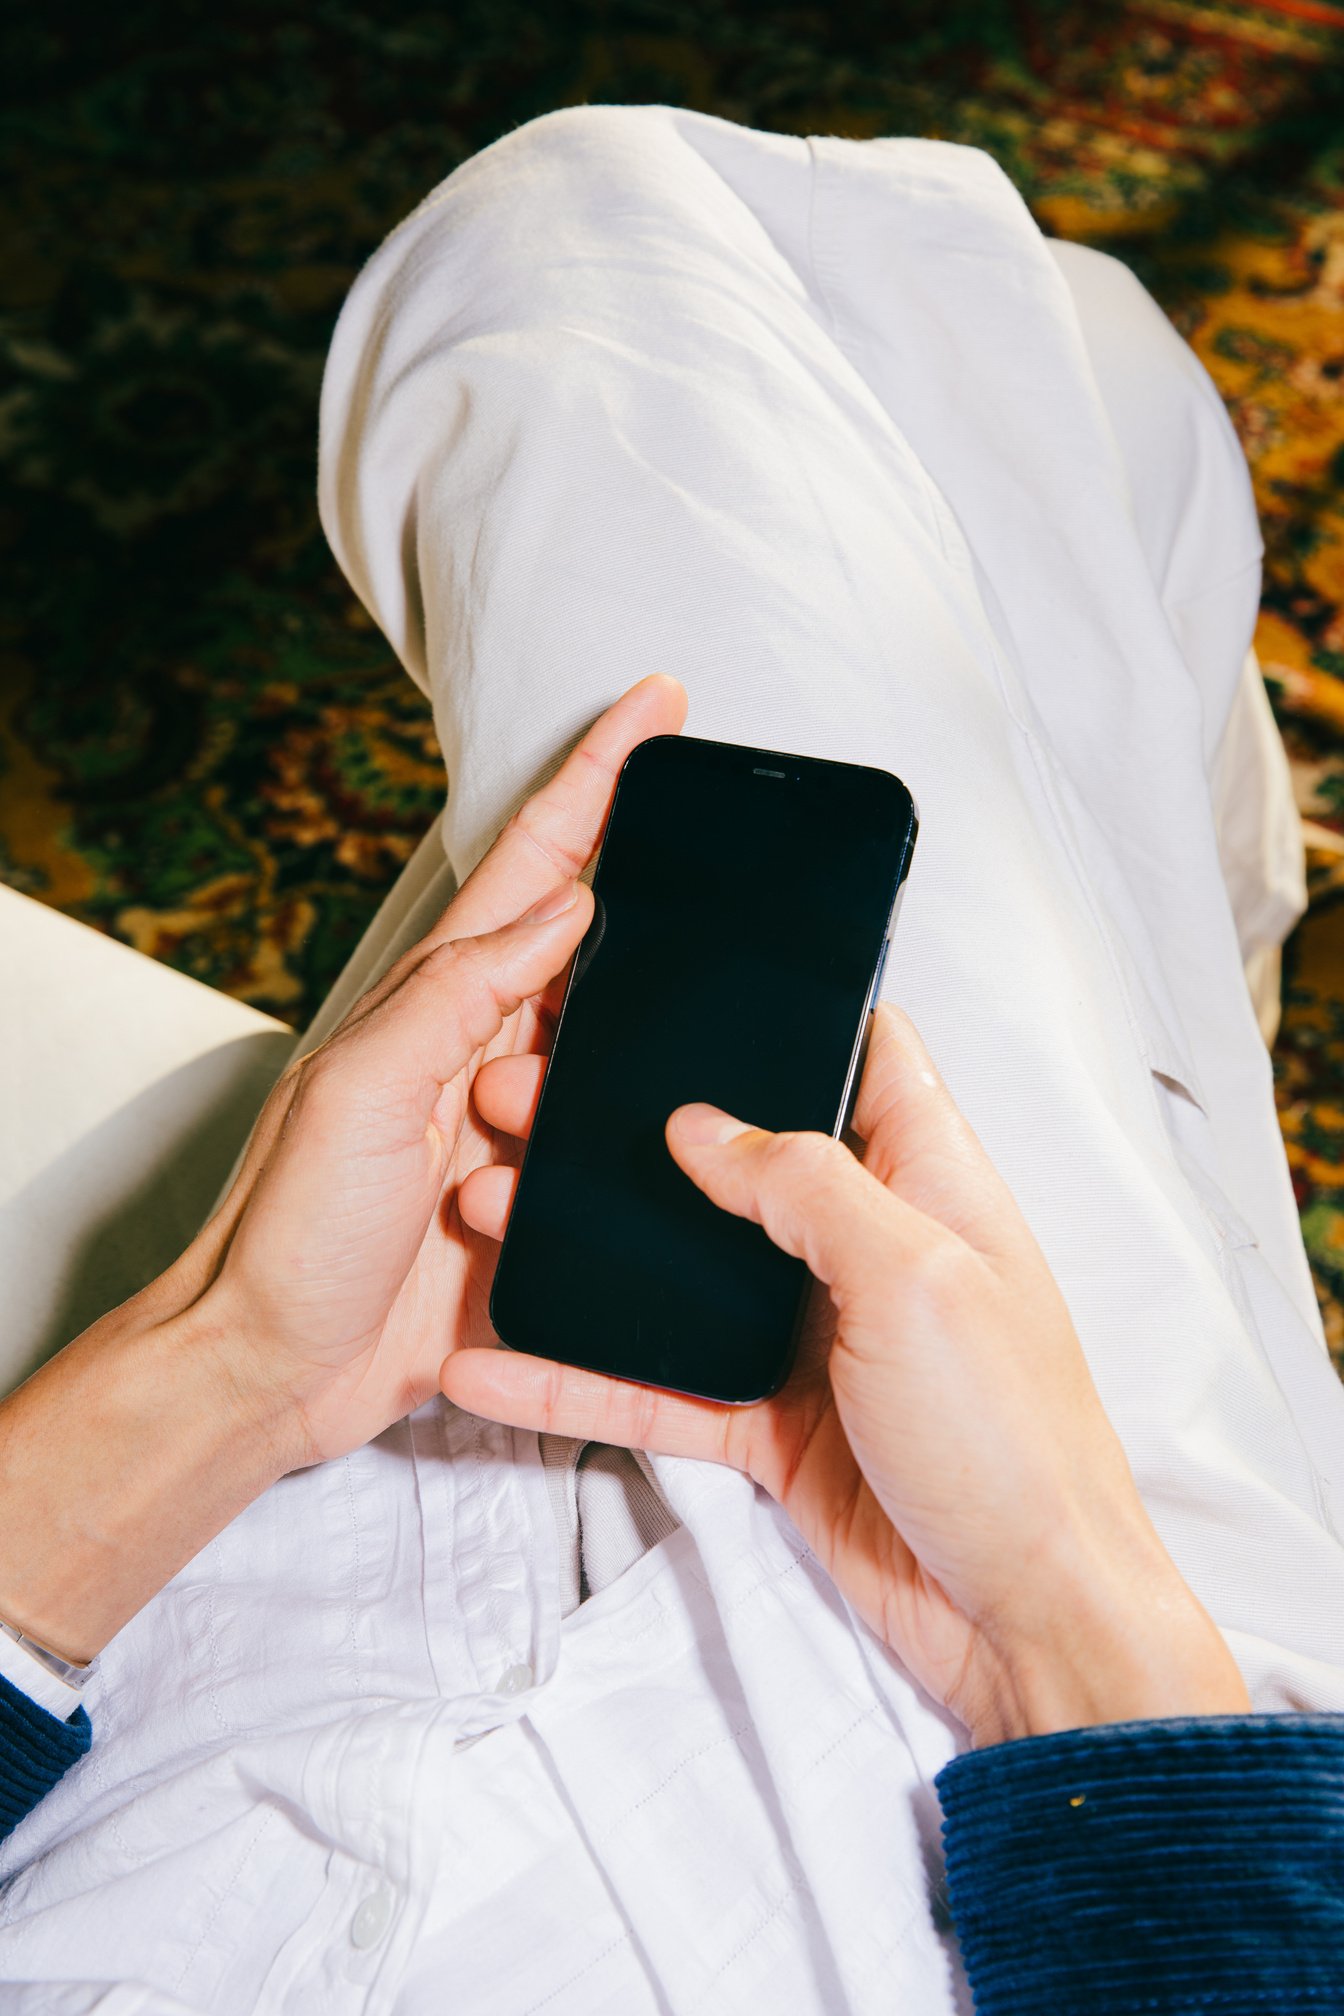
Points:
[(1188, 489), (827, 430)]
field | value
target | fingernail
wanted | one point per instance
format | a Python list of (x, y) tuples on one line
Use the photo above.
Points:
[(704, 1124), (554, 904)]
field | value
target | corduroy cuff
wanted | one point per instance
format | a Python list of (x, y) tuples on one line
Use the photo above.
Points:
[(35, 1751), (1194, 1864)]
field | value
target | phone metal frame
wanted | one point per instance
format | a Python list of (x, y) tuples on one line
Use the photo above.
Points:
[(862, 1035)]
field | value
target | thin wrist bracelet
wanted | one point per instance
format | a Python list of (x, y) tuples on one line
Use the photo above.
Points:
[(64, 1669)]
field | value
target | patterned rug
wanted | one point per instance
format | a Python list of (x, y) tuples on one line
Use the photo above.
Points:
[(204, 747)]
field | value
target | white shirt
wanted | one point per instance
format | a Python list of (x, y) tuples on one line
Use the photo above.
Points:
[(815, 426)]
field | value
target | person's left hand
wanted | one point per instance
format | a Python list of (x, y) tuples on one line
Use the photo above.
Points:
[(338, 1275)]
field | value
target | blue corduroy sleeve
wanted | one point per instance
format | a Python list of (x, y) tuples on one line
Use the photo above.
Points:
[(1191, 1865), (35, 1750)]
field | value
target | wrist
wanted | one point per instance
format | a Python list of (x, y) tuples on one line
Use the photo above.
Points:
[(1117, 1654), (258, 1415), (119, 1461)]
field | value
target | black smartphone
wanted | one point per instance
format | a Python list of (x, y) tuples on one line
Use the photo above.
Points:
[(744, 902)]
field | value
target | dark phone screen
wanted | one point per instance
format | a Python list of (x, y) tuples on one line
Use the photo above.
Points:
[(742, 902)]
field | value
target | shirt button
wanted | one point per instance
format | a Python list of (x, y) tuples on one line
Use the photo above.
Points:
[(516, 1680), (372, 1918)]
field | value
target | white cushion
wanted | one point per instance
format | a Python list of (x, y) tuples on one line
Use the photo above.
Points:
[(125, 1092)]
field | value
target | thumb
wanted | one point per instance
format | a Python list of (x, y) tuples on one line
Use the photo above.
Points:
[(806, 1191), (413, 1041)]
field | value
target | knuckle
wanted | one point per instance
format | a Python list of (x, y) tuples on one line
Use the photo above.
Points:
[(396, 975), (550, 1398), (555, 1400), (443, 960), (469, 1013), (455, 970), (803, 1159), (645, 1415), (536, 822), (938, 1271)]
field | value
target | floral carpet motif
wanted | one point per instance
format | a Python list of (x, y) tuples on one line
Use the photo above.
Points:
[(205, 748)]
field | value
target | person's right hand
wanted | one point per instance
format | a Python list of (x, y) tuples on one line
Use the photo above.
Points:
[(940, 1444), (318, 1304)]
